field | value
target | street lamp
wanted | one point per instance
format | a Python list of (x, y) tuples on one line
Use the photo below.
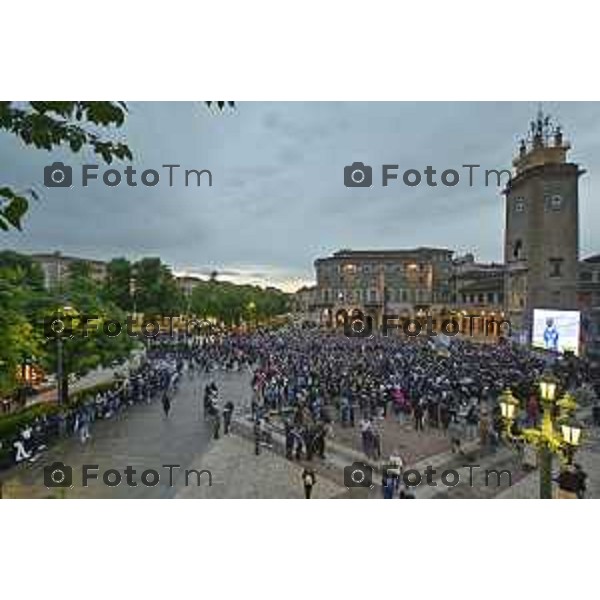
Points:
[(571, 433), (62, 389), (548, 389), (548, 439), (508, 406)]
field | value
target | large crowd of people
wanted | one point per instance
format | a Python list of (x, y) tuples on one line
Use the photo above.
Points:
[(314, 378), (156, 378), (306, 381)]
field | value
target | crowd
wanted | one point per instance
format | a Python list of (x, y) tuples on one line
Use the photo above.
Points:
[(312, 379), (156, 378), (306, 381)]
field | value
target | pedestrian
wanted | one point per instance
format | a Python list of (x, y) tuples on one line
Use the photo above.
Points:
[(395, 468), (366, 434), (166, 403), (227, 414), (216, 424), (580, 478), (309, 479)]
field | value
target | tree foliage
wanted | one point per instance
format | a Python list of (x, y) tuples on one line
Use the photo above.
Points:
[(47, 125)]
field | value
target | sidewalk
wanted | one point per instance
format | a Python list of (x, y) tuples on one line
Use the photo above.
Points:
[(238, 473)]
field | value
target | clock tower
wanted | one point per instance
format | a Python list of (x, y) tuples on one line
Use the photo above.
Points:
[(541, 241)]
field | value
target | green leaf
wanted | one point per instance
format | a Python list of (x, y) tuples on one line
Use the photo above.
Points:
[(14, 212)]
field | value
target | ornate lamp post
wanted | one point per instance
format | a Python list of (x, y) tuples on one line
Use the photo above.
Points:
[(559, 436)]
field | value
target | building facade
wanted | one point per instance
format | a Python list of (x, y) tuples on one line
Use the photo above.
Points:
[(541, 267), (56, 268), (382, 281)]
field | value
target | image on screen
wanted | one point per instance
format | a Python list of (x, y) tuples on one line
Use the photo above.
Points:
[(556, 330)]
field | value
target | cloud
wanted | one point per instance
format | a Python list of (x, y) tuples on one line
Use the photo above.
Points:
[(278, 198)]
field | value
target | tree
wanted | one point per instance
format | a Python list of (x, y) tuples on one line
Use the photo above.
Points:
[(118, 286), (91, 344), (47, 125), (19, 339), (156, 290)]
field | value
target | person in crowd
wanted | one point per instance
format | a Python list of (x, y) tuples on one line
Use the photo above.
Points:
[(308, 479)]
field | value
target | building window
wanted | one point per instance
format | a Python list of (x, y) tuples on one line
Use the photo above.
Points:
[(556, 267), (490, 297), (518, 250), (585, 276), (519, 204), (373, 295), (556, 202)]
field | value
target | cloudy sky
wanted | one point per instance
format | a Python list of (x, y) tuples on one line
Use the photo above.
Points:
[(278, 200)]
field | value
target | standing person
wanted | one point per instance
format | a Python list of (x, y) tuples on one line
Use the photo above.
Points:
[(580, 481), (84, 425), (418, 413), (227, 414), (216, 423), (395, 468), (309, 479), (166, 403), (366, 435), (388, 485), (455, 429)]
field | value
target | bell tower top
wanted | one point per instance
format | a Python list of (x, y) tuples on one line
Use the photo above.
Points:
[(544, 145)]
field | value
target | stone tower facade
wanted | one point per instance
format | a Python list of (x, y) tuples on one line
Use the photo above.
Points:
[(541, 241)]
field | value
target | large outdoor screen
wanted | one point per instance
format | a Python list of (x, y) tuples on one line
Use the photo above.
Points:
[(556, 330)]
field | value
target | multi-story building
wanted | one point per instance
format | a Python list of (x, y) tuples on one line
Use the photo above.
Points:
[(541, 266), (588, 297), (187, 283), (380, 281), (56, 268)]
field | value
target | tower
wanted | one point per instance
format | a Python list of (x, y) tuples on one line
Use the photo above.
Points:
[(541, 240)]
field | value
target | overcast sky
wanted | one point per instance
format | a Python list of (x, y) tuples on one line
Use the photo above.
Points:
[(278, 199)]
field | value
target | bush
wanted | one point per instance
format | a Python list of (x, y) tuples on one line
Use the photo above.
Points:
[(11, 425)]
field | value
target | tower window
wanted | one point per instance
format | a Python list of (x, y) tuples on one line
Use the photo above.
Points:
[(518, 249), (556, 267), (519, 204), (556, 202)]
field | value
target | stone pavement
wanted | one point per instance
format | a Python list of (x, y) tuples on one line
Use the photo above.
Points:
[(412, 445), (140, 437), (238, 473)]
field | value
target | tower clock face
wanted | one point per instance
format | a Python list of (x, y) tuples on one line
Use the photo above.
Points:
[(519, 204)]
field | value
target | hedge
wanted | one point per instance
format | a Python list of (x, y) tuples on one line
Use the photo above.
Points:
[(11, 425)]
